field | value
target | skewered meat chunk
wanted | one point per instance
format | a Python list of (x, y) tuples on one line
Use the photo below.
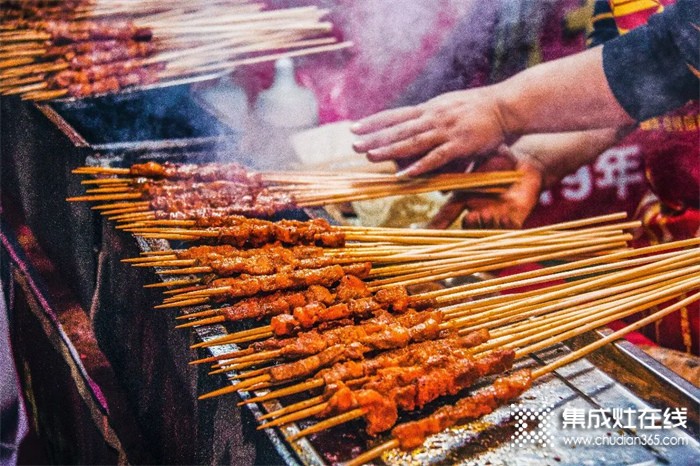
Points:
[(352, 300), (205, 253), (348, 363), (248, 285), (63, 32), (71, 50), (412, 434), (276, 303), (88, 87), (384, 331), (122, 52), (256, 203), (243, 232), (412, 354), (409, 388), (66, 78), (204, 172)]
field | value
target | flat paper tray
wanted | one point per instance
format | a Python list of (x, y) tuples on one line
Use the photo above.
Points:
[(618, 376)]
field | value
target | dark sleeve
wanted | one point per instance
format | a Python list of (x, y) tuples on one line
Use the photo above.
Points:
[(653, 69), (603, 26)]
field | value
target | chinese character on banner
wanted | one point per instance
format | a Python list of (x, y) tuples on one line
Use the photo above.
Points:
[(578, 186), (619, 168), (676, 417), (650, 418), (599, 418), (574, 417)]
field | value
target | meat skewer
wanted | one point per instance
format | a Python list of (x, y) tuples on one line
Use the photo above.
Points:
[(187, 199), (295, 311), (360, 412), (381, 397), (224, 289), (412, 354), (529, 337), (245, 232), (424, 300), (64, 32), (187, 45), (384, 331)]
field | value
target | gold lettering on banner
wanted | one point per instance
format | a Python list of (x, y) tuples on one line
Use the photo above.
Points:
[(689, 121), (677, 123), (650, 124), (666, 122)]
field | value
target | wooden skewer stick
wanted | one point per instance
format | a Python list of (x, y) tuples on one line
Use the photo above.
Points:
[(602, 284), (183, 303), (160, 262), (530, 231), (40, 96), (119, 205), (298, 388), (109, 190), (296, 416), (25, 88), (101, 171), (574, 356), (291, 408), (112, 214), (171, 283), (206, 321), (16, 61), (130, 217), (248, 374), (195, 286), (630, 308), (328, 423), (103, 181), (608, 258), (456, 271), (192, 315), (148, 259), (106, 197)]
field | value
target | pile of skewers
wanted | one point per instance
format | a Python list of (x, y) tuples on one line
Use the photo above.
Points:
[(206, 195), (342, 320), (371, 350), (93, 50)]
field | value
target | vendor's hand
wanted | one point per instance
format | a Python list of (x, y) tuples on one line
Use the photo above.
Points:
[(453, 125), (510, 209), (459, 201)]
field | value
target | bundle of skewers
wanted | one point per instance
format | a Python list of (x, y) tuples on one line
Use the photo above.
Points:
[(369, 349), (96, 51), (374, 352), (340, 316), (206, 196)]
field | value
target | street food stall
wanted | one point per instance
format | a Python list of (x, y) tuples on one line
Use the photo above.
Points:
[(175, 296)]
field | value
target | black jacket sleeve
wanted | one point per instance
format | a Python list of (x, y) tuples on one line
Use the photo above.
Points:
[(654, 68)]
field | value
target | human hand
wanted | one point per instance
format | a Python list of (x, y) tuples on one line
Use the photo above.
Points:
[(507, 210), (450, 126)]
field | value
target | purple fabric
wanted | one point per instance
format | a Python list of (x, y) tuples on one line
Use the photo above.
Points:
[(13, 419), (46, 307)]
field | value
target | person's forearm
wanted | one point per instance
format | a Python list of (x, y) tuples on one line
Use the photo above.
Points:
[(556, 155), (569, 94)]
